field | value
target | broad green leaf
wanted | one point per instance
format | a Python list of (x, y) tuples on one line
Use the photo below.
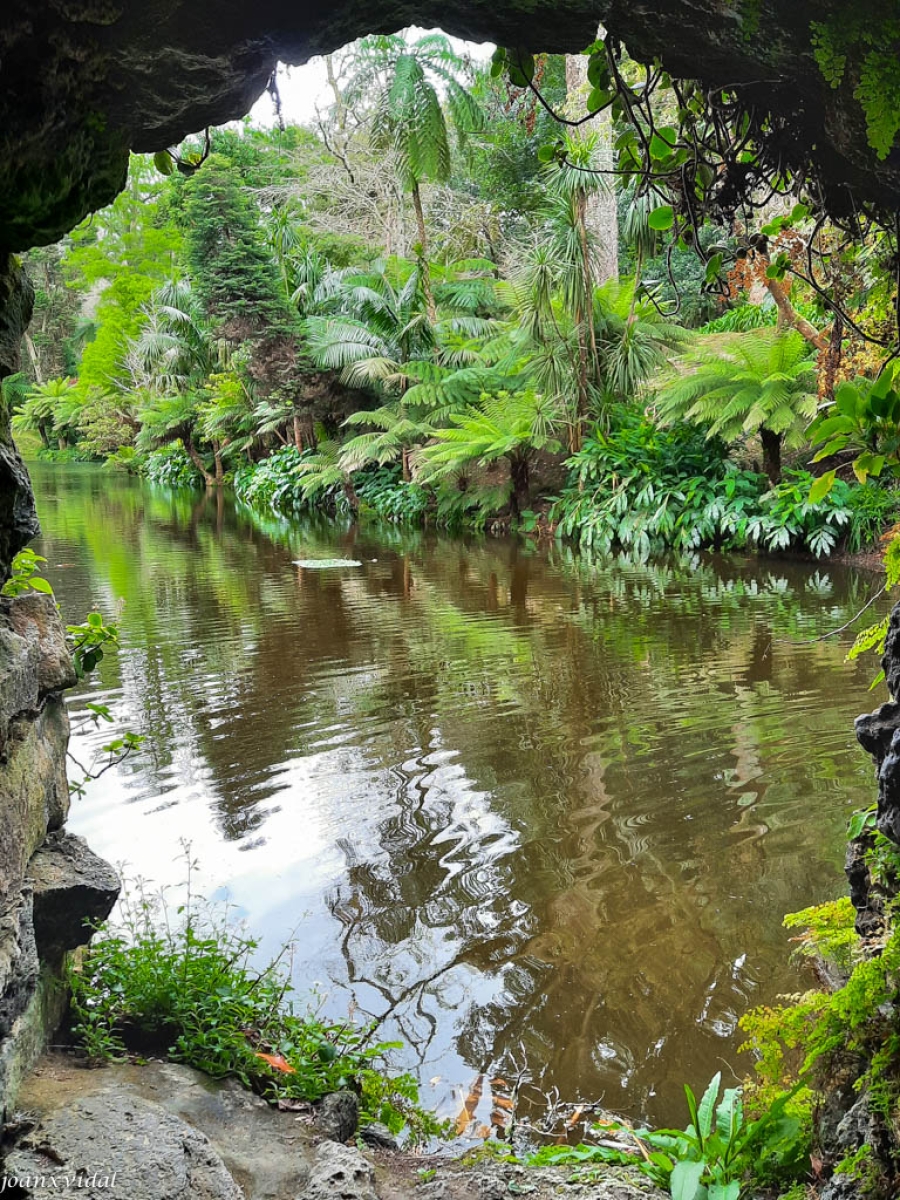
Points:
[(860, 821), (866, 465), (162, 160), (881, 386), (684, 1183), (598, 70), (725, 1191), (833, 447), (846, 399), (713, 268), (598, 99), (41, 585), (707, 1108), (662, 217), (821, 487), (660, 148)]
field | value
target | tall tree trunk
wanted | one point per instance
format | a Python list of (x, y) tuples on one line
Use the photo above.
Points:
[(833, 356), (602, 215), (423, 255), (518, 473), (350, 493), (404, 459), (198, 462), (220, 470), (308, 431), (298, 433), (771, 448), (35, 360)]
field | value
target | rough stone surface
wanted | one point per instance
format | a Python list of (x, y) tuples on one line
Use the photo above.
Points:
[(378, 1136), (85, 80), (879, 734), (18, 519), (34, 794), (340, 1173), (19, 967), (132, 1147), (499, 1181), (263, 1149), (71, 885), (36, 619), (337, 1115)]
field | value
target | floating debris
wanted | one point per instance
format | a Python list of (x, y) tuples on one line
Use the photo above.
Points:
[(323, 564)]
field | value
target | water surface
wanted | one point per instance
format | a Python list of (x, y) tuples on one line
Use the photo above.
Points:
[(536, 810)]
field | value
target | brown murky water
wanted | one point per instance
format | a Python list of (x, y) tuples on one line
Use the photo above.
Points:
[(534, 808)]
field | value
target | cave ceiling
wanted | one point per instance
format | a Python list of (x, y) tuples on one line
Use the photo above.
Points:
[(83, 82)]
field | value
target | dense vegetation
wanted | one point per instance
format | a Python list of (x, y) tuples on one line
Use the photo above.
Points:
[(422, 310), (444, 305)]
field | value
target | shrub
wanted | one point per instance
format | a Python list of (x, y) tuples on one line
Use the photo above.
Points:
[(273, 483), (191, 989), (383, 493), (171, 466), (646, 490)]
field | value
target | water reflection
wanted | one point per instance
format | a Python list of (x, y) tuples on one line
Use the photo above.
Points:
[(517, 803)]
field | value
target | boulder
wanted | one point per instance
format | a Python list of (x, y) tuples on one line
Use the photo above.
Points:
[(36, 618), (116, 1146), (337, 1115), (73, 888), (340, 1173)]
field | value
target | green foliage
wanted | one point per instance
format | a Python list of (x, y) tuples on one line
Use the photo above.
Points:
[(25, 575), (708, 1160), (865, 419), (858, 45), (233, 273), (647, 489), (406, 81), (873, 638), (827, 932), (739, 385), (90, 640), (382, 493), (797, 1045), (188, 984), (272, 483), (171, 466)]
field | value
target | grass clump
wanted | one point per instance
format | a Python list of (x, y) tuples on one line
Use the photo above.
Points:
[(186, 984)]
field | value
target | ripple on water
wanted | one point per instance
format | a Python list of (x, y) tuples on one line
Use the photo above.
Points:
[(536, 805)]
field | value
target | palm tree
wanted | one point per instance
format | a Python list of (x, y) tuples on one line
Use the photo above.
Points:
[(408, 82), (179, 351), (384, 340), (38, 414), (634, 339), (322, 471), (511, 426), (762, 382)]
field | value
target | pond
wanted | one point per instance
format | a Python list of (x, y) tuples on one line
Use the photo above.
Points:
[(536, 811)]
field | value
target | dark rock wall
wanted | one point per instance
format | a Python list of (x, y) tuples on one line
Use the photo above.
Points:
[(84, 81), (50, 883)]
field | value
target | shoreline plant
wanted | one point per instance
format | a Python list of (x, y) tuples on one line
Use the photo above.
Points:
[(185, 981)]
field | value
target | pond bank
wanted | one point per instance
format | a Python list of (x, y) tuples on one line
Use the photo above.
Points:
[(162, 1131)]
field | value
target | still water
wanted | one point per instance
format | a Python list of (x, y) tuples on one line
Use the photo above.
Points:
[(532, 809)]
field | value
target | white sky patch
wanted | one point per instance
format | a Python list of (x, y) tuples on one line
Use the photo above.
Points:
[(305, 88)]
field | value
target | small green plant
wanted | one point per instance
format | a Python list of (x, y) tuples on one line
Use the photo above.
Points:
[(25, 575), (90, 641), (706, 1161), (184, 980), (827, 932)]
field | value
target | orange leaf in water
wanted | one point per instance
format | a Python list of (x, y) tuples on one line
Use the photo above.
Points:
[(467, 1112), (278, 1062)]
